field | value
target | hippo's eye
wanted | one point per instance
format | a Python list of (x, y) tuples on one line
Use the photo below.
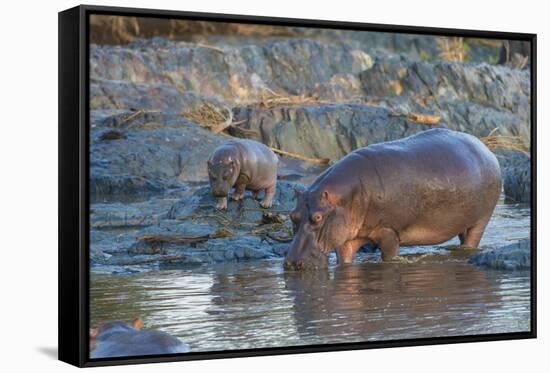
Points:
[(316, 217)]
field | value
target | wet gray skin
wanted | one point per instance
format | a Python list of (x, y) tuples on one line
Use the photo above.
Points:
[(421, 190), (116, 338), (313, 241)]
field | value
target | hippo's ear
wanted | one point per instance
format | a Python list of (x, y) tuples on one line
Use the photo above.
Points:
[(137, 323), (328, 197), (93, 335)]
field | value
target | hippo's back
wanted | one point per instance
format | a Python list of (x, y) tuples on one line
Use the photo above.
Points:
[(138, 342), (256, 150), (439, 153), (436, 181)]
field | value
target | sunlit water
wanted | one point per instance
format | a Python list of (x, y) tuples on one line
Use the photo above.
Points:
[(257, 304)]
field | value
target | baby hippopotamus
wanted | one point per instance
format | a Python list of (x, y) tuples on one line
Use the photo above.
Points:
[(243, 164), (117, 338), (421, 190)]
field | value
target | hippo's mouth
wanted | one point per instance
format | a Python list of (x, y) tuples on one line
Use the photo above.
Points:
[(315, 260)]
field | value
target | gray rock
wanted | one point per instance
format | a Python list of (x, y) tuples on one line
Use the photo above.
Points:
[(516, 175), (474, 98), (515, 256), (234, 73), (202, 204), (147, 162), (326, 130), (233, 235), (105, 31), (160, 151)]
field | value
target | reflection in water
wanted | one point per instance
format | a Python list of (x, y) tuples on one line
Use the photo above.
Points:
[(395, 301), (252, 305), (256, 304)]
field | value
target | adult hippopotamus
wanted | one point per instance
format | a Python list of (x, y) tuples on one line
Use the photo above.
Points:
[(243, 164), (117, 338), (421, 190)]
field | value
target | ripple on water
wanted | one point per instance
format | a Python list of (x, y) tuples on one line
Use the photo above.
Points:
[(256, 304)]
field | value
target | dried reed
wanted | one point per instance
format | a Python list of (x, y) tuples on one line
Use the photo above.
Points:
[(452, 48)]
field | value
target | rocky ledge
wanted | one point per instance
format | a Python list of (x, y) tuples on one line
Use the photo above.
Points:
[(310, 96), (515, 256), (184, 228)]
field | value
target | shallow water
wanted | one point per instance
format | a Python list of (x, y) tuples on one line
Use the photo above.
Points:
[(257, 304)]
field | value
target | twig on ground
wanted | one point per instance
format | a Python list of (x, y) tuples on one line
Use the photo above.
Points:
[(172, 238), (208, 46), (302, 157), (131, 117), (428, 119)]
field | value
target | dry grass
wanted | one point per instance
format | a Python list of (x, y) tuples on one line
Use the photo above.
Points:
[(492, 43), (452, 48), (495, 142), (515, 143), (211, 117)]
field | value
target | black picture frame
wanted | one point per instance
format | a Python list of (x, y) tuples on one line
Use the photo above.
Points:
[(74, 176)]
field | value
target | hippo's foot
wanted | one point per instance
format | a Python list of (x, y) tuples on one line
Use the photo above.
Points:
[(239, 192), (266, 203), (222, 204), (237, 196)]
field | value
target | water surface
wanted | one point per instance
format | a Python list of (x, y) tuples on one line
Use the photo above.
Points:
[(433, 292)]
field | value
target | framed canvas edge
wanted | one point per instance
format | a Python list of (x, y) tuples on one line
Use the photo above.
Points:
[(73, 299)]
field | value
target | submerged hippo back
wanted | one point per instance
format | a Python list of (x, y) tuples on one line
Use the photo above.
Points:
[(127, 341)]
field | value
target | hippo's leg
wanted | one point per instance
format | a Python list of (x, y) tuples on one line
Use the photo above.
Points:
[(462, 237), (222, 203), (346, 252), (472, 236), (267, 202), (239, 192), (388, 242), (256, 194)]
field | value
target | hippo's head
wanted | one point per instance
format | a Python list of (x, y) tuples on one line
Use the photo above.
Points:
[(222, 177), (319, 227), (111, 327)]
